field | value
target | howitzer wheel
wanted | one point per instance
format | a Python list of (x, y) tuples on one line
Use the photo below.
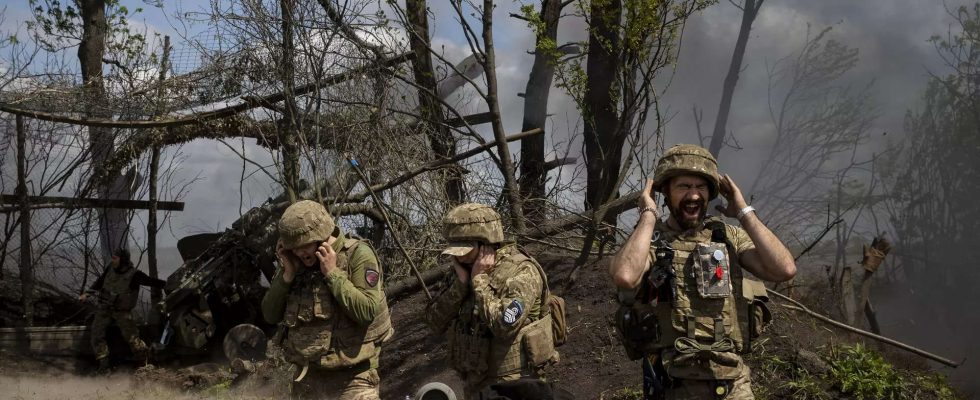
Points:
[(435, 391), (246, 342)]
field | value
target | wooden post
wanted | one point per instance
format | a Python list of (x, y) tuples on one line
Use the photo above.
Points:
[(26, 267), (848, 308), (151, 223)]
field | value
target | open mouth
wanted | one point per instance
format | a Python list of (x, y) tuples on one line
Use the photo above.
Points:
[(691, 210), (308, 260)]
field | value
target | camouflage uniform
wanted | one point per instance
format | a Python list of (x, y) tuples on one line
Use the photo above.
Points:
[(118, 291), (494, 322), (694, 312), (336, 323), (701, 378)]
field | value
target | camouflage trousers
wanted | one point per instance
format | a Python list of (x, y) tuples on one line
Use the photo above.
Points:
[(337, 385), (124, 320)]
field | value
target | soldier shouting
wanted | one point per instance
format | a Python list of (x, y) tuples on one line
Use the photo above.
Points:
[(690, 312)]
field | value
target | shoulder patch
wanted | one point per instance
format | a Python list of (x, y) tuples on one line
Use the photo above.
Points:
[(513, 312), (371, 276)]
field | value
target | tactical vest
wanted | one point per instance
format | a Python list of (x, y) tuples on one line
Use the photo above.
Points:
[(695, 301), (116, 290), (474, 351), (320, 332)]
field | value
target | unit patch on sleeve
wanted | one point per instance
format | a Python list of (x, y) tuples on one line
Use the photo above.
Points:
[(372, 277), (513, 312)]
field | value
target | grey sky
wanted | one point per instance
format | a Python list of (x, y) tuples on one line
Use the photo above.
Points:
[(891, 35)]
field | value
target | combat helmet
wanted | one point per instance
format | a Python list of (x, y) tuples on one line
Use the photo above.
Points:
[(685, 159), (469, 223), (305, 222)]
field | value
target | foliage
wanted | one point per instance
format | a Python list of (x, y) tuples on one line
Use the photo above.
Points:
[(218, 389), (936, 384), (938, 180), (626, 393), (863, 373), (57, 26), (648, 40), (796, 381)]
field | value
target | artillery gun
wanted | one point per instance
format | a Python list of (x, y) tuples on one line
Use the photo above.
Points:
[(219, 286)]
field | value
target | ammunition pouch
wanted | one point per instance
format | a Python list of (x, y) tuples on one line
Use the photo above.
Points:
[(469, 353), (347, 357), (691, 359), (758, 316), (559, 321), (639, 329), (538, 344), (555, 304)]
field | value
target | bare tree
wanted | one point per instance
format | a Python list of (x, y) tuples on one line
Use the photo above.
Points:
[(750, 9), (534, 171), (936, 180), (818, 121)]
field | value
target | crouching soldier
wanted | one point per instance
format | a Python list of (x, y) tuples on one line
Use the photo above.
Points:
[(116, 293), (495, 310), (327, 293)]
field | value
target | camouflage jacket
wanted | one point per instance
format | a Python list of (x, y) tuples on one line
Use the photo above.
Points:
[(337, 320), (486, 319)]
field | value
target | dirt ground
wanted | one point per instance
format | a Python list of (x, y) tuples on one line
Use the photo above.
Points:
[(593, 364)]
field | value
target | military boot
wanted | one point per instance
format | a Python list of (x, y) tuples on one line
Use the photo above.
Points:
[(104, 367)]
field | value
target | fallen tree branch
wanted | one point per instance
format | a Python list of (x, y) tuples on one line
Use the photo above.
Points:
[(395, 290), (366, 210), (433, 166), (555, 245), (627, 202), (196, 118), (800, 307), (39, 202)]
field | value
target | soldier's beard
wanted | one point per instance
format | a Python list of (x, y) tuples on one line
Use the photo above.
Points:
[(689, 214)]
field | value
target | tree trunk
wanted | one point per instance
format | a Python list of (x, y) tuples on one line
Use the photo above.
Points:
[(26, 266), (441, 141), (291, 127), (749, 11), (534, 172), (489, 66), (601, 119), (848, 308), (151, 224), (113, 224)]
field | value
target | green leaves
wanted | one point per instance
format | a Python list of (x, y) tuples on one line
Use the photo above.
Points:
[(57, 26), (864, 374)]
